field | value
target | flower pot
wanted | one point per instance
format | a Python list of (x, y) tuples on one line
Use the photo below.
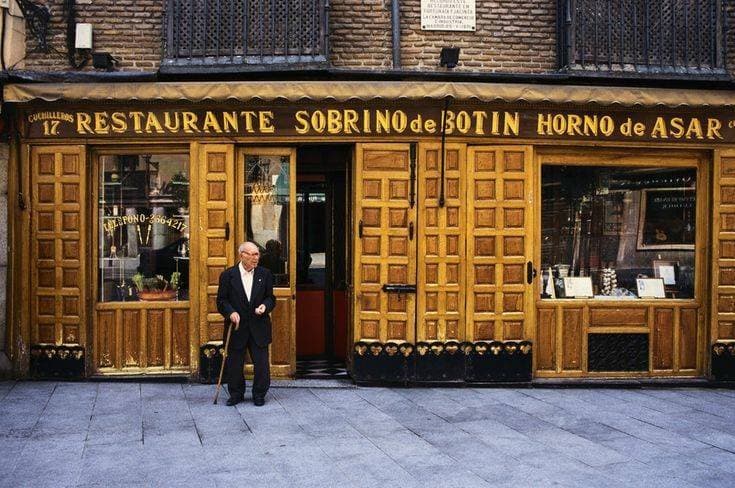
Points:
[(157, 296)]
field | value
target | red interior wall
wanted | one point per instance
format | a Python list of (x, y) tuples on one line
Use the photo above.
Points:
[(310, 322)]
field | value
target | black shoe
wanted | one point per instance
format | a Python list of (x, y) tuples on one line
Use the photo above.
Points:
[(231, 402), (258, 401)]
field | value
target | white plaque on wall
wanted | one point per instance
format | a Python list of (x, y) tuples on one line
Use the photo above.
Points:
[(448, 15)]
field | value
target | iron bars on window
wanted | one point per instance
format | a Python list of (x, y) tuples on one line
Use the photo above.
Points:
[(249, 34), (643, 37)]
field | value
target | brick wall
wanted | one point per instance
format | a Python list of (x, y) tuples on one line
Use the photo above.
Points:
[(511, 36), (131, 30), (360, 34)]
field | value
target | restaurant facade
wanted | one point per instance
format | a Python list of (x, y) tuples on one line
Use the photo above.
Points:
[(437, 232)]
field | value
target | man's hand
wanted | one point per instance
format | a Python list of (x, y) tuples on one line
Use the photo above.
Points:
[(235, 319), (260, 310)]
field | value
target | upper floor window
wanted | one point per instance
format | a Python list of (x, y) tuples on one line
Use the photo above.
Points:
[(210, 34), (640, 37)]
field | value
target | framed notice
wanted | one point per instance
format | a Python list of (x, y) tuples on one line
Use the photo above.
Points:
[(651, 288), (578, 287), (667, 218), (448, 15), (666, 270)]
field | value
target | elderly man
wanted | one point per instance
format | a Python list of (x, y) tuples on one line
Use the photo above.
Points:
[(245, 299)]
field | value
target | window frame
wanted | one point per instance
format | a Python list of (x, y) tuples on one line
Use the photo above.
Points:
[(95, 156), (700, 161)]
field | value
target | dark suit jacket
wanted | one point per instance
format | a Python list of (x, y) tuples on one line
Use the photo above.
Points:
[(231, 298)]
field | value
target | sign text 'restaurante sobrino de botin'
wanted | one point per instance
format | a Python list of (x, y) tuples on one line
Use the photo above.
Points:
[(409, 121)]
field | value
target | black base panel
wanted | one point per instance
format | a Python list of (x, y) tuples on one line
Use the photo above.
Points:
[(617, 352)]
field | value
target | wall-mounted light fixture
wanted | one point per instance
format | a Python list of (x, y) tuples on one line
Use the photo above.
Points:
[(449, 57), (103, 60)]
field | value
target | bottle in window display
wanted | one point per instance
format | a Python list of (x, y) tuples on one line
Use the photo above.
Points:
[(562, 271), (548, 287)]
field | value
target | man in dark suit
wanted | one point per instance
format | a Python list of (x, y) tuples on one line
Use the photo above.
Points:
[(245, 299)]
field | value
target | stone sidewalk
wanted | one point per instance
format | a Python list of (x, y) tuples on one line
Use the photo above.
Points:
[(131, 434)]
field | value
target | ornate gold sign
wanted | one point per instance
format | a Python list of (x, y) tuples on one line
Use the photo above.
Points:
[(387, 120)]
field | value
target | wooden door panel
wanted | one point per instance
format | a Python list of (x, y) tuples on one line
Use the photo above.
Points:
[(688, 338), (180, 345), (441, 242), (132, 337), (281, 347), (105, 339), (545, 350), (155, 337), (572, 334), (663, 339), (723, 260), (385, 246), (58, 231), (499, 226), (216, 239)]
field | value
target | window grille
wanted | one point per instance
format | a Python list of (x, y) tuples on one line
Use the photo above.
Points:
[(684, 37), (254, 33)]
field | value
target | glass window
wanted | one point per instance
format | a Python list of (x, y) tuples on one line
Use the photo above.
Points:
[(144, 227), (267, 203), (628, 232)]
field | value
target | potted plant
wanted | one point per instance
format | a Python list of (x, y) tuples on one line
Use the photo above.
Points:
[(155, 288)]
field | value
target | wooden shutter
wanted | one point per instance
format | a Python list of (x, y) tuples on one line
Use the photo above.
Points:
[(59, 246), (385, 244), (441, 242)]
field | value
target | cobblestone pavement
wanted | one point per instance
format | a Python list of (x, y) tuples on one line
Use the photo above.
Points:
[(131, 434)]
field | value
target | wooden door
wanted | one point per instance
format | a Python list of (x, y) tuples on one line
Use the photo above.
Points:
[(266, 185), (385, 244), (441, 242), (217, 248), (58, 240), (499, 243)]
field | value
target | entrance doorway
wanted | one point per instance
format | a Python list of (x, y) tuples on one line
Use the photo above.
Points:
[(443, 243), (321, 261)]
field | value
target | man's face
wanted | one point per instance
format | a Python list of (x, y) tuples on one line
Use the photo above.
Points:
[(249, 257)]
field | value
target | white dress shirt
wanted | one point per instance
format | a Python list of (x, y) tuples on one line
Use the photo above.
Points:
[(247, 280)]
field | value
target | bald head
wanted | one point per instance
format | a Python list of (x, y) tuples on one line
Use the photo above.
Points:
[(249, 255)]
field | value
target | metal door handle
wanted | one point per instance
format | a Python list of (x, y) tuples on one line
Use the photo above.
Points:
[(227, 231), (530, 272), (399, 288), (410, 231), (359, 229)]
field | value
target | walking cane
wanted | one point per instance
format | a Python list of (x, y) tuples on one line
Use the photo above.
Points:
[(224, 358)]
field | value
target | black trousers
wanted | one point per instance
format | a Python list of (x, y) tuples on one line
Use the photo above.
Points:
[(235, 366)]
